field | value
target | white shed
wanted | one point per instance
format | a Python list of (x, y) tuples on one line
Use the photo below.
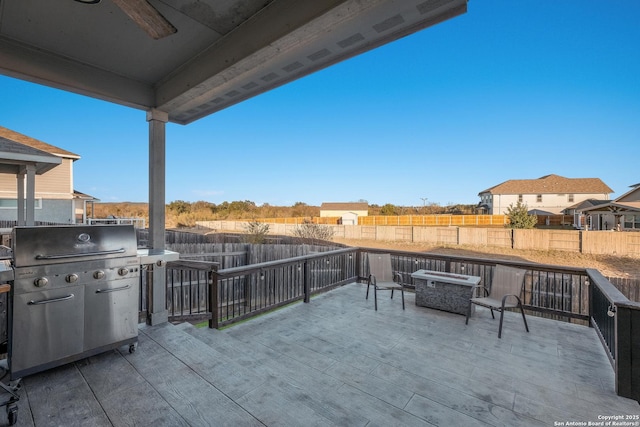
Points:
[(349, 218)]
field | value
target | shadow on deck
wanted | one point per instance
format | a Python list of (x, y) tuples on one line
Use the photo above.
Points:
[(336, 361)]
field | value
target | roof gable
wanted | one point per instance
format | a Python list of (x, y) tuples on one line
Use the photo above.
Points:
[(14, 156), (551, 184), (34, 143), (632, 195), (589, 203)]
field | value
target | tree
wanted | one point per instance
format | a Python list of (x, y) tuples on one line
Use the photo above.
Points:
[(388, 209), (519, 216), (179, 206)]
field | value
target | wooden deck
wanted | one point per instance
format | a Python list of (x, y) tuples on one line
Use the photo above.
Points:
[(336, 361)]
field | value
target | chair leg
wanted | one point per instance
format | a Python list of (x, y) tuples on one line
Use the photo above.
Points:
[(524, 318), (500, 328), (375, 297), (391, 293), (492, 316), (368, 290), (402, 293)]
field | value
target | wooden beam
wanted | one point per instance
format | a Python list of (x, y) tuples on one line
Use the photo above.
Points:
[(146, 17)]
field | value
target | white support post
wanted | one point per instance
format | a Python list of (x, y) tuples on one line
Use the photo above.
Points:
[(157, 164), (31, 195), (26, 211), (20, 189)]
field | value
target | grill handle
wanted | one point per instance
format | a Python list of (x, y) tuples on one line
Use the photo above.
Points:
[(106, 291), (47, 301), (78, 255)]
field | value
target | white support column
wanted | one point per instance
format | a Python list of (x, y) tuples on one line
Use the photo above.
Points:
[(20, 189), (31, 195), (26, 211), (157, 164)]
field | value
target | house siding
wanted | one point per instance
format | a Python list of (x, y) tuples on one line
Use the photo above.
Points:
[(340, 213), (338, 209), (554, 203), (59, 211), (57, 180), (53, 184)]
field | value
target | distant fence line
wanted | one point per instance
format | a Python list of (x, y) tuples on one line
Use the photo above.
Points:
[(428, 220), (587, 242), (434, 220), (431, 220), (324, 220)]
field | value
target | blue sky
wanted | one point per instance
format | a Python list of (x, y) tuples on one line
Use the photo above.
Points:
[(513, 89)]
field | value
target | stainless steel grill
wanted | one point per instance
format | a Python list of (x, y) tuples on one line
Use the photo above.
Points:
[(75, 294)]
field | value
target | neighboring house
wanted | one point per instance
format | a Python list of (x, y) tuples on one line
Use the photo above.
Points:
[(349, 212), (579, 219), (623, 213), (550, 194), (55, 199)]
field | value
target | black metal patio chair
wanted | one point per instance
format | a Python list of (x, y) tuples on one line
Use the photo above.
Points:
[(382, 277), (505, 293)]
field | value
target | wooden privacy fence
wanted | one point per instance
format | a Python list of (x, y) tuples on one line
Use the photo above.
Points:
[(435, 220), (625, 243), (428, 220), (328, 220)]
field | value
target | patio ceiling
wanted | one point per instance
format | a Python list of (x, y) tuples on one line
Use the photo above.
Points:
[(222, 52)]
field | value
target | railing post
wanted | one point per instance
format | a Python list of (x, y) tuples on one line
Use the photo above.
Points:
[(307, 278), (213, 299), (157, 297), (590, 290), (627, 351), (358, 261)]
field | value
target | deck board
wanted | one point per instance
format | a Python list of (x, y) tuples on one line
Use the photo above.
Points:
[(337, 362)]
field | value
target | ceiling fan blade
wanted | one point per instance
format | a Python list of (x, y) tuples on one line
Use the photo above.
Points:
[(147, 17)]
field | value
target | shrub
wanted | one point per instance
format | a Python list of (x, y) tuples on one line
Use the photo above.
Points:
[(308, 232), (255, 232), (519, 217)]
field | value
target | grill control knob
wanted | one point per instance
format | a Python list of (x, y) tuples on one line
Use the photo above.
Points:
[(123, 271), (71, 278), (98, 274), (41, 281)]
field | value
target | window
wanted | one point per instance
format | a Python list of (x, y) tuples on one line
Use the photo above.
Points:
[(13, 203), (632, 222), (539, 198), (570, 198), (520, 198)]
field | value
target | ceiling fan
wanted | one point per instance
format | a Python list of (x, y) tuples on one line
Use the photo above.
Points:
[(144, 15)]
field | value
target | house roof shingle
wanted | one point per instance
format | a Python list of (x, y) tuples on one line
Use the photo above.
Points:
[(585, 204), (37, 144), (551, 184), (348, 206)]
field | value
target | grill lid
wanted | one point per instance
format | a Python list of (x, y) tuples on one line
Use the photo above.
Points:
[(34, 246)]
